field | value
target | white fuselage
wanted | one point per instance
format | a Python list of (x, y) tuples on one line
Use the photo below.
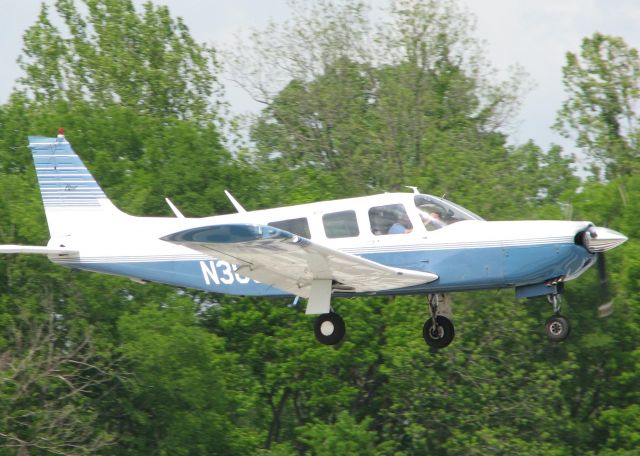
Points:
[(468, 254)]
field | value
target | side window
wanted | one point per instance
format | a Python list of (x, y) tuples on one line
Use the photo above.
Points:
[(389, 219), (298, 226), (340, 224)]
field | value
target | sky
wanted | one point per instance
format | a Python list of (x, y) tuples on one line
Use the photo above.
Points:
[(534, 34)]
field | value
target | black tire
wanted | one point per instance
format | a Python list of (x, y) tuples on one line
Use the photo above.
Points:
[(329, 328), (557, 328), (443, 334)]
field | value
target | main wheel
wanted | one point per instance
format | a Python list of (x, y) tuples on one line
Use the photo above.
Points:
[(557, 328), (329, 328), (441, 335)]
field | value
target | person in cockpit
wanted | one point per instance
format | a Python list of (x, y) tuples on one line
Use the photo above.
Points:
[(403, 225), (432, 220)]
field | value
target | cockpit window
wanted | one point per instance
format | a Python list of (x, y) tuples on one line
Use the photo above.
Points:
[(437, 213)]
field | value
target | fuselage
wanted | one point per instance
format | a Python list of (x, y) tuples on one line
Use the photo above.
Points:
[(465, 251)]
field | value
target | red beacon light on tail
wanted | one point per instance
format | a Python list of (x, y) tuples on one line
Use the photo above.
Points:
[(60, 132)]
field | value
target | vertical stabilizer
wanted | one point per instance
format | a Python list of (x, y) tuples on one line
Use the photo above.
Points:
[(72, 198)]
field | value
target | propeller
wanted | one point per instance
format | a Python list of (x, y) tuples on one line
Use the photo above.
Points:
[(605, 309), (598, 240)]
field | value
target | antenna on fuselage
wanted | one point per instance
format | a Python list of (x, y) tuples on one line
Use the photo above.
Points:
[(235, 203), (174, 209), (415, 189)]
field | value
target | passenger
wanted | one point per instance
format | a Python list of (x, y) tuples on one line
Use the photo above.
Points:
[(403, 225)]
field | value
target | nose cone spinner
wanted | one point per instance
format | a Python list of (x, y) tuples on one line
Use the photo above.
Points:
[(599, 239)]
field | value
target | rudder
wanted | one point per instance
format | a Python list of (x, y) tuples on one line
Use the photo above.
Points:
[(71, 196)]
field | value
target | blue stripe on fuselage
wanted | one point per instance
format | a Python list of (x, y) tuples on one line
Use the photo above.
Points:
[(210, 275), (457, 269), (493, 267)]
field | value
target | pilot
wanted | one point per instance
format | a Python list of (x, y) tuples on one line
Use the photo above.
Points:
[(432, 221)]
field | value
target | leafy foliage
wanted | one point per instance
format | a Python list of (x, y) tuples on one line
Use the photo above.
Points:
[(144, 61), (100, 365), (601, 108)]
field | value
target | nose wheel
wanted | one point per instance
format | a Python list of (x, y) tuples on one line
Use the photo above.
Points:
[(557, 327)]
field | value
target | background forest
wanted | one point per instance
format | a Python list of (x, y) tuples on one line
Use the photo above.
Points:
[(92, 364)]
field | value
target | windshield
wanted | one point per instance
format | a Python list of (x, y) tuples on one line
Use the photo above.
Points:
[(437, 213)]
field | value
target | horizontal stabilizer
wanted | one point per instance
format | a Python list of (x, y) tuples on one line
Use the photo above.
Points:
[(292, 263), (37, 250)]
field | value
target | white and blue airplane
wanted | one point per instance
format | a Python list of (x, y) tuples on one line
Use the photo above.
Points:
[(387, 244)]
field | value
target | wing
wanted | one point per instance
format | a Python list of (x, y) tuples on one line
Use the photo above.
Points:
[(292, 263)]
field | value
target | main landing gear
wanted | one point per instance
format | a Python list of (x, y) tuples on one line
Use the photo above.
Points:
[(329, 328), (557, 327), (438, 331)]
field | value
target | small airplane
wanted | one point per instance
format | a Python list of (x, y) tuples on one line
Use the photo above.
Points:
[(386, 244)]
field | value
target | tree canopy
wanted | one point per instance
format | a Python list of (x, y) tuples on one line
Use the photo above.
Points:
[(602, 83), (353, 105)]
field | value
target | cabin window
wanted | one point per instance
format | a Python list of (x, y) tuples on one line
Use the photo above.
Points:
[(389, 219), (340, 224), (437, 213), (298, 226)]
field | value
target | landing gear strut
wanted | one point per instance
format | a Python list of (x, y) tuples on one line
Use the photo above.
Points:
[(557, 327), (438, 330)]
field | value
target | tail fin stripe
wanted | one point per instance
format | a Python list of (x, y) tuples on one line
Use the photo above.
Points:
[(56, 180), (87, 191), (37, 141), (73, 200), (35, 147), (63, 178), (53, 168)]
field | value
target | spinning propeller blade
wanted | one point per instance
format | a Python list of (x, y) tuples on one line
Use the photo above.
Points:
[(597, 240), (605, 309)]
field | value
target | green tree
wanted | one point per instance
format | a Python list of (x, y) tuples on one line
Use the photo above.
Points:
[(345, 436), (49, 380), (357, 107), (137, 97), (300, 381), (600, 110), (144, 61), (606, 349), (181, 385), (414, 108)]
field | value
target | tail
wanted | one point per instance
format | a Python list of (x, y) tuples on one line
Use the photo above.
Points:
[(73, 200)]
